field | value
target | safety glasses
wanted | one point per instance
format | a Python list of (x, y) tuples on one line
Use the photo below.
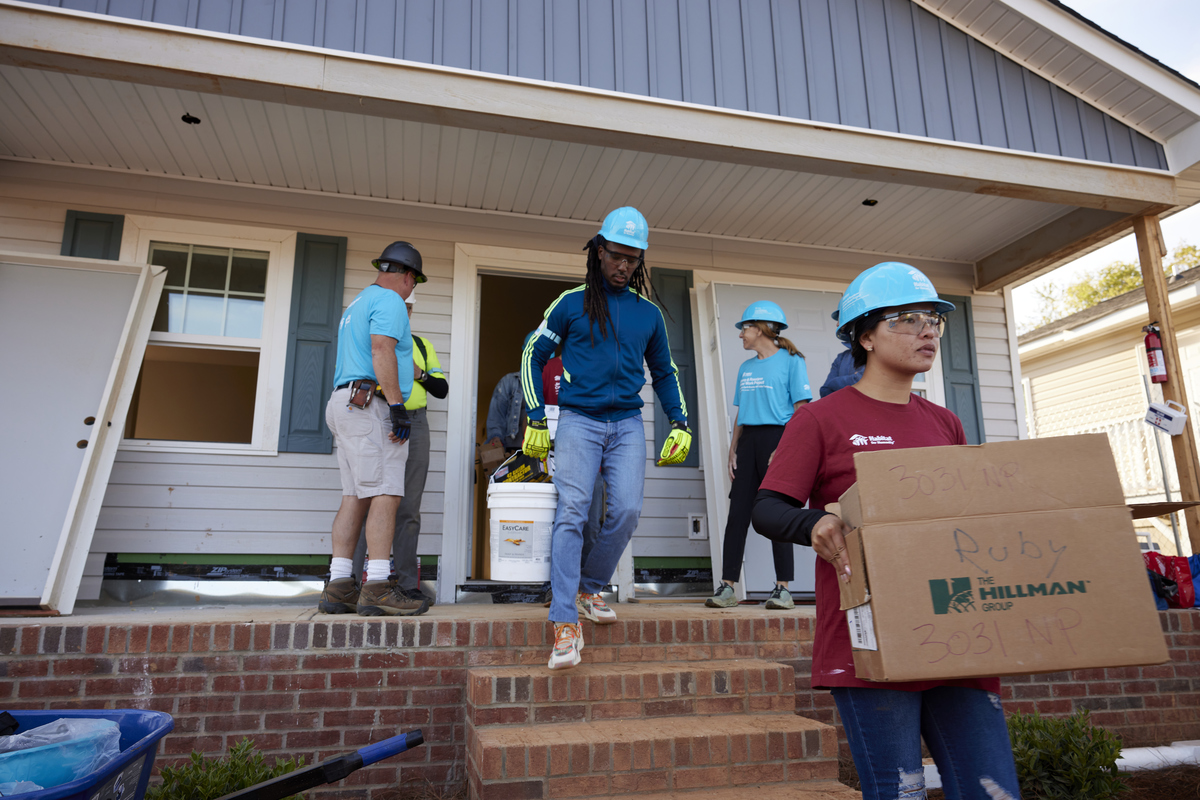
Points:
[(912, 323), (617, 259)]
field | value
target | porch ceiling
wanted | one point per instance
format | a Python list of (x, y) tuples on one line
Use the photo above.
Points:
[(73, 119)]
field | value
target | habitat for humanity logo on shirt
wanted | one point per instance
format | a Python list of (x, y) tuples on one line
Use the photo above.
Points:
[(858, 440)]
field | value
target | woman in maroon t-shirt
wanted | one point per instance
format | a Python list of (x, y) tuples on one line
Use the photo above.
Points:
[(893, 319)]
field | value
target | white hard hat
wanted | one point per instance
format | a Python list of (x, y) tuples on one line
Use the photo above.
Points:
[(412, 297)]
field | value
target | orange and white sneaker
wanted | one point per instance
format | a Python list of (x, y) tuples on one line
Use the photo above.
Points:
[(593, 607), (568, 642)]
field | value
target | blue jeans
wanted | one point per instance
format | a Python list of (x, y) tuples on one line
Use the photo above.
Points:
[(584, 447), (963, 728)]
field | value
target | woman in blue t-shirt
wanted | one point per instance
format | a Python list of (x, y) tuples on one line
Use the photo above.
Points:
[(769, 388)]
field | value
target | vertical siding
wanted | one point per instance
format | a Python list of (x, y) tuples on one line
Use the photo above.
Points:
[(882, 64)]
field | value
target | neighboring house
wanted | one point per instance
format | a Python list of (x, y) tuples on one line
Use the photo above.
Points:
[(265, 152), (1088, 373)]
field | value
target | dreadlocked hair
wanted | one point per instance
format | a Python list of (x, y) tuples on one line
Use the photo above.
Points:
[(771, 331), (594, 302)]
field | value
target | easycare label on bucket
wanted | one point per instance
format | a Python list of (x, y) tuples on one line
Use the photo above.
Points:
[(524, 541)]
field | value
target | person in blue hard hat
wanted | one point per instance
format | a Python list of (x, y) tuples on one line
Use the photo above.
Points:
[(893, 319), (373, 378), (607, 328), (769, 389)]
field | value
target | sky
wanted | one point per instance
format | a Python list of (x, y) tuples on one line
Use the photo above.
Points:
[(1167, 30)]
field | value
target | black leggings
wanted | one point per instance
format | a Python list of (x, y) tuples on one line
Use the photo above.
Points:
[(754, 449)]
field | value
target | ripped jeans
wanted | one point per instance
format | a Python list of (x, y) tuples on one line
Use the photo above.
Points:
[(963, 728)]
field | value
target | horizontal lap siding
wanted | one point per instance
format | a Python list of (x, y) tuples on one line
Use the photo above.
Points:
[(886, 65), (996, 388)]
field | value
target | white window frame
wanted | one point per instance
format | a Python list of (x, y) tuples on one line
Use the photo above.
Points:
[(139, 232)]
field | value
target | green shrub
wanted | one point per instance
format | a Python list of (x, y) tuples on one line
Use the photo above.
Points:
[(208, 779), (1064, 759)]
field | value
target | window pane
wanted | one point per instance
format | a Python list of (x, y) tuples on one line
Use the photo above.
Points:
[(194, 395), (205, 314), (209, 265), (169, 316), (244, 317), (249, 272), (174, 258)]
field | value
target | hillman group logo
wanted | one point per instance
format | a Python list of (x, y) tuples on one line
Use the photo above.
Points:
[(957, 595), (858, 440)]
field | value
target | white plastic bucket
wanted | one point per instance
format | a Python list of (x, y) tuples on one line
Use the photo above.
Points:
[(522, 515)]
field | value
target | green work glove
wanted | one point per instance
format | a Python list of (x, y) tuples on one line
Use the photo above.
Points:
[(537, 439), (675, 449)]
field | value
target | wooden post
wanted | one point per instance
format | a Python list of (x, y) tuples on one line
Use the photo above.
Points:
[(1187, 464)]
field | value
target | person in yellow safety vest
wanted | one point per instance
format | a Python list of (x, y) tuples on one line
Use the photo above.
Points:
[(428, 379)]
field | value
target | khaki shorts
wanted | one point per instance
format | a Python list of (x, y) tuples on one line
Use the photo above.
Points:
[(369, 464)]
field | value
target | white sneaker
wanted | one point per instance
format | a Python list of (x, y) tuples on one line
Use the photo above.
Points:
[(593, 607), (568, 642)]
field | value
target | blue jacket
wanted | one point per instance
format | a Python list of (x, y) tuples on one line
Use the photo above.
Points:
[(603, 380), (842, 373), (504, 411)]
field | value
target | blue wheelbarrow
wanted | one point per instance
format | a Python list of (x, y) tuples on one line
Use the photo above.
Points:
[(127, 776)]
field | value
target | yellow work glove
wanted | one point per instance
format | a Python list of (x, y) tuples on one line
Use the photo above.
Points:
[(537, 439), (675, 449)]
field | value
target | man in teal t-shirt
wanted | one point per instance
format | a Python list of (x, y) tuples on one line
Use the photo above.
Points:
[(372, 380)]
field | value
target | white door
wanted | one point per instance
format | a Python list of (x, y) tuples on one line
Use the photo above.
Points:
[(812, 330)]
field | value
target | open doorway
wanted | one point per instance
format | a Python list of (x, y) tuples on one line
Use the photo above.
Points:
[(509, 308)]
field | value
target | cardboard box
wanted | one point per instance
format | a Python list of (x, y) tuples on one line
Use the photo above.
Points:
[(490, 456), (997, 559)]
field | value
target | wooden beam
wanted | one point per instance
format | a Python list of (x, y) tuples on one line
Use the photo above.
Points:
[(1187, 464), (1049, 246)]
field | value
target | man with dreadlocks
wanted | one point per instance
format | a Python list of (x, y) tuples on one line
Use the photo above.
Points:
[(607, 327)]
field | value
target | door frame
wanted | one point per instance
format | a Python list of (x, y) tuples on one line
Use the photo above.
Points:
[(471, 261)]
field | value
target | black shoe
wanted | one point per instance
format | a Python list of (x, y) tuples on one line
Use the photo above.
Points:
[(417, 594)]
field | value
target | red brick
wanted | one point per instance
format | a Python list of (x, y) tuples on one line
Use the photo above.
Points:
[(48, 688), (354, 680), (313, 738), (325, 700), (28, 668), (701, 777), (232, 722), (266, 702), (577, 786), (639, 782), (299, 681), (741, 774)]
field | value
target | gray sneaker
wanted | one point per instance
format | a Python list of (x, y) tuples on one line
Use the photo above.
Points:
[(384, 598), (339, 597), (724, 597), (780, 598)]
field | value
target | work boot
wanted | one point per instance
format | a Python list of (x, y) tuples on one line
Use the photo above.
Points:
[(417, 594), (593, 607), (568, 642), (339, 597), (723, 597), (386, 599), (780, 598)]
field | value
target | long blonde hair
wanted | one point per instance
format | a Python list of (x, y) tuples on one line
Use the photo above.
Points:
[(771, 329)]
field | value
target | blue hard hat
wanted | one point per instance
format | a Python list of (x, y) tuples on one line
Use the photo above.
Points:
[(885, 285), (626, 226), (763, 311)]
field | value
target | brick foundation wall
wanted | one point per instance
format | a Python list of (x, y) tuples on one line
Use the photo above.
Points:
[(321, 688)]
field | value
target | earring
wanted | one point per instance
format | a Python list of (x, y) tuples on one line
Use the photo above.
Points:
[(870, 349)]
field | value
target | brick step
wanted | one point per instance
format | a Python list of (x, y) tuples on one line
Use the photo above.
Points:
[(639, 756), (808, 790), (628, 690)]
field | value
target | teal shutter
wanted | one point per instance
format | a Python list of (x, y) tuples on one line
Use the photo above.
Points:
[(90, 235), (671, 286), (960, 369), (312, 343)]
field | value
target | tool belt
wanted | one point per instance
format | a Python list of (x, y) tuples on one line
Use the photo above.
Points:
[(361, 392)]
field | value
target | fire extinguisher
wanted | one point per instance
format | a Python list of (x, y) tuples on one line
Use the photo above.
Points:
[(1154, 354)]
